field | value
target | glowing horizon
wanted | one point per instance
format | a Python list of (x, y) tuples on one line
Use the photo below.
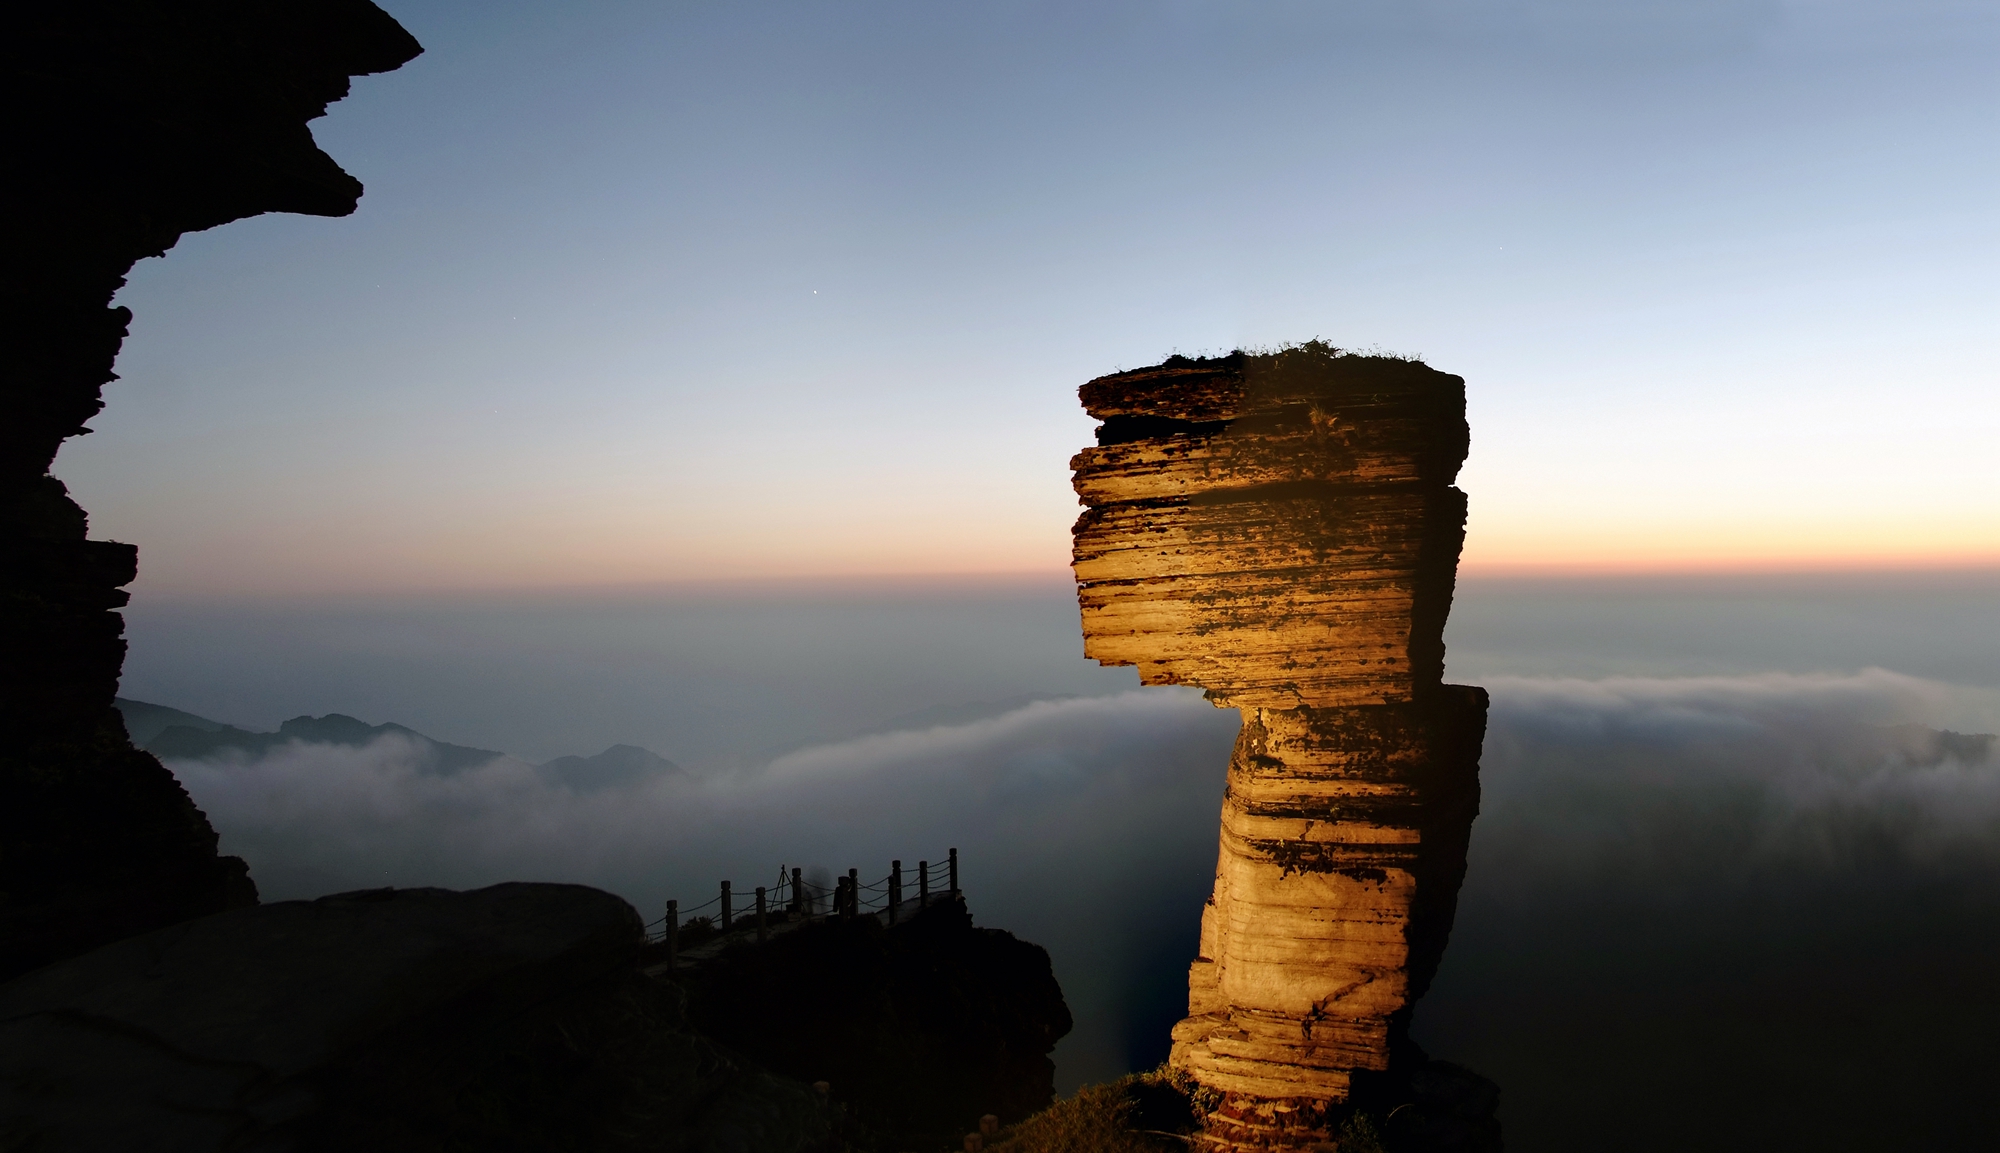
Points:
[(865, 580), (645, 295)]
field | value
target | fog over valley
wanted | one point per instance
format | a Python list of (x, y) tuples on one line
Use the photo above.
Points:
[(1719, 877)]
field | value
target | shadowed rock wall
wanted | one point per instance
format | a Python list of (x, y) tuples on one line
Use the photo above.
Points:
[(126, 124), (921, 1028), (419, 1020), (1282, 530)]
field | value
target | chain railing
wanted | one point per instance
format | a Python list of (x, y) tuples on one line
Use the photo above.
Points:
[(794, 898)]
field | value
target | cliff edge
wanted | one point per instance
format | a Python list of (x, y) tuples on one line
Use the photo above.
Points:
[(128, 123)]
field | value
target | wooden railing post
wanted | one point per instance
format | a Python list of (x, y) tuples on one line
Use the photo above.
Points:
[(954, 872), (923, 884), (798, 905), (895, 888), (762, 935), (854, 892), (725, 907), (673, 934)]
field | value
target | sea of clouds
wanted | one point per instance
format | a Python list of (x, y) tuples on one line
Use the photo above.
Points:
[(1800, 762), (1640, 840)]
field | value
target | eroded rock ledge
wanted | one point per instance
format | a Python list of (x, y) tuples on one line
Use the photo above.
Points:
[(525, 1017), (509, 1018), (1282, 530)]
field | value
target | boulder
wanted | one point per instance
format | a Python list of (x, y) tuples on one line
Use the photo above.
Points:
[(508, 1017)]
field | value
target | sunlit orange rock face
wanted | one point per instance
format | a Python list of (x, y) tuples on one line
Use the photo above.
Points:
[(1282, 531)]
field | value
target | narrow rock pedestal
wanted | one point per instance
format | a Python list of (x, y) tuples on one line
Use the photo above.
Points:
[(1282, 530)]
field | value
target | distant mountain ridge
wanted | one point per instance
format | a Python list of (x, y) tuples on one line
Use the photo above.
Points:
[(144, 722), (192, 743), (172, 734), (617, 765)]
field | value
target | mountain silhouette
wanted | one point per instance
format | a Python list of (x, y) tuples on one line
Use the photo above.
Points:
[(617, 765), (172, 734)]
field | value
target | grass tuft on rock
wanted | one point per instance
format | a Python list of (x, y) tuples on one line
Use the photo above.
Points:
[(1142, 1113)]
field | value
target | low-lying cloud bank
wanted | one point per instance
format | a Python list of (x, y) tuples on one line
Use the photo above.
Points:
[(1077, 821), (311, 815), (1728, 775), (1796, 760), (1657, 806), (1737, 913)]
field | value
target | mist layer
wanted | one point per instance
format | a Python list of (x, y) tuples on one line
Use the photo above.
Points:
[(1695, 905)]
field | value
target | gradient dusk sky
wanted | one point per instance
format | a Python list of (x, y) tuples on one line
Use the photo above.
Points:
[(650, 291)]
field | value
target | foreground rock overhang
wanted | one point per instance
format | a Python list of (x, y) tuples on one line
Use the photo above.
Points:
[(128, 123), (1283, 531)]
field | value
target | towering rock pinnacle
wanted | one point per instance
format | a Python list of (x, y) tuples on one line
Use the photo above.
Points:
[(1282, 530)]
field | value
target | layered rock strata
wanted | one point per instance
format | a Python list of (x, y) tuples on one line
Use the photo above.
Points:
[(128, 123), (1282, 531)]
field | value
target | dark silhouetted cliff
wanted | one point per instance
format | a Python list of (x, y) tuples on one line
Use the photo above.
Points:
[(518, 1017), (921, 1028), (127, 124), (510, 1018)]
